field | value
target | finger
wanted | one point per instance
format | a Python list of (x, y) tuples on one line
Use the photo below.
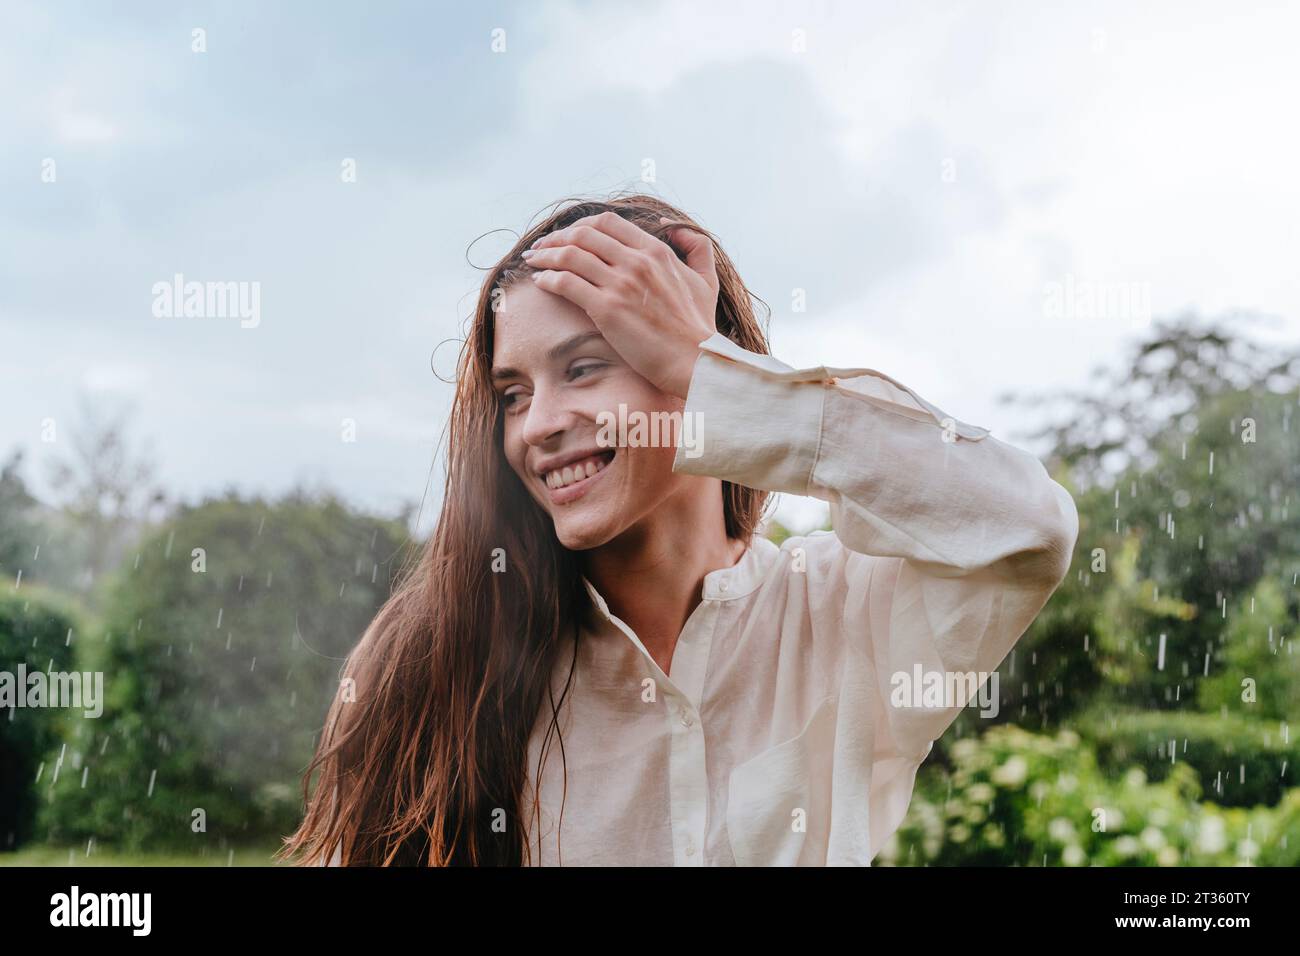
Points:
[(572, 258), (609, 223), (698, 249), (569, 286), (601, 244)]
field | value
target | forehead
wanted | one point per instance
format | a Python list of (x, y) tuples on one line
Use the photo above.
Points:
[(529, 321)]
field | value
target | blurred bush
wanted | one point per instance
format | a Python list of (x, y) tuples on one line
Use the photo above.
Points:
[(222, 645), (38, 632), (1017, 798), (1238, 761)]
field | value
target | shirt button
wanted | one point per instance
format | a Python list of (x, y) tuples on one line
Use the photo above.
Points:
[(687, 719), (690, 847), (722, 586)]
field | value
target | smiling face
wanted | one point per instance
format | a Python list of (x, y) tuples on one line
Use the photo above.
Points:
[(555, 375)]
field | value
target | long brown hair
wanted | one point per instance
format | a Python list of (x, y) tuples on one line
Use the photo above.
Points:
[(425, 746)]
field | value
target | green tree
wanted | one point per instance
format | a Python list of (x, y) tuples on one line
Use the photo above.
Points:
[(222, 651), (37, 633), (107, 490), (1254, 671), (18, 530), (1184, 465)]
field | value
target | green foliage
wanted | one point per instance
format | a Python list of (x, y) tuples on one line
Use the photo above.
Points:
[(222, 648), (1231, 523), (1132, 613), (37, 632), (1167, 541), (18, 533), (1014, 798), (1255, 669), (1238, 760), (776, 532)]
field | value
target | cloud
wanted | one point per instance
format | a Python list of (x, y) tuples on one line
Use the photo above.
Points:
[(920, 173)]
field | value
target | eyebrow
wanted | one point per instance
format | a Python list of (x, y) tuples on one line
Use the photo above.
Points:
[(553, 354)]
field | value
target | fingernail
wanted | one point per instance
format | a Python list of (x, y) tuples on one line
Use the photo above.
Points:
[(533, 244), (527, 253)]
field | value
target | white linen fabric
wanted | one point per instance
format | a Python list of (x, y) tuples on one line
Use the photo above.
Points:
[(775, 739)]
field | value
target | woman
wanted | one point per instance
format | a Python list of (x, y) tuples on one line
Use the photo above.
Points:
[(597, 660)]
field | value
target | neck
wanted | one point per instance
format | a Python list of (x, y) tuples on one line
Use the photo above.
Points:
[(652, 575)]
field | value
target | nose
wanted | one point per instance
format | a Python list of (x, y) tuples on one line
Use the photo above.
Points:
[(548, 416)]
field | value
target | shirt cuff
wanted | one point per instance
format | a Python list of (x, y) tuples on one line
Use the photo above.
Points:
[(756, 421), (751, 419)]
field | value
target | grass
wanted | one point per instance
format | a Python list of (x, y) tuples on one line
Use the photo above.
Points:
[(44, 855)]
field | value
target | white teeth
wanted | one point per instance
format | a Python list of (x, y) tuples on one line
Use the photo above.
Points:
[(577, 471)]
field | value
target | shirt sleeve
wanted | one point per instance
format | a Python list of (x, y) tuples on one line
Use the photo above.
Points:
[(952, 540)]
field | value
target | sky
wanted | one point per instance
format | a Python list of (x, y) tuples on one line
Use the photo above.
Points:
[(973, 198)]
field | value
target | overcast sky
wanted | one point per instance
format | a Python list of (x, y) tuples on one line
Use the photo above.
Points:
[(929, 174)]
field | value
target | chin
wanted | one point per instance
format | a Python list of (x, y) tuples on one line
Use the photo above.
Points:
[(582, 535)]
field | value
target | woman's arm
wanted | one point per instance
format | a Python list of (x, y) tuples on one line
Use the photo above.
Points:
[(955, 539), (903, 479)]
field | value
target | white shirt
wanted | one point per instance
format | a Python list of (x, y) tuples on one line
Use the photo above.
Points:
[(775, 738)]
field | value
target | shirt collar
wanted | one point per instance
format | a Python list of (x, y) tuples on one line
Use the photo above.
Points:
[(724, 584)]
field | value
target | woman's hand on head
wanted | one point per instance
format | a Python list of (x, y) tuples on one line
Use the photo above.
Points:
[(653, 309)]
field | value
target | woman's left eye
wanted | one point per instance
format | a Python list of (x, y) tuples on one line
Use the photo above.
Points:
[(577, 370)]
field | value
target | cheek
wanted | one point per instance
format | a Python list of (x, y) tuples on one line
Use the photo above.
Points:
[(650, 468), (516, 452)]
